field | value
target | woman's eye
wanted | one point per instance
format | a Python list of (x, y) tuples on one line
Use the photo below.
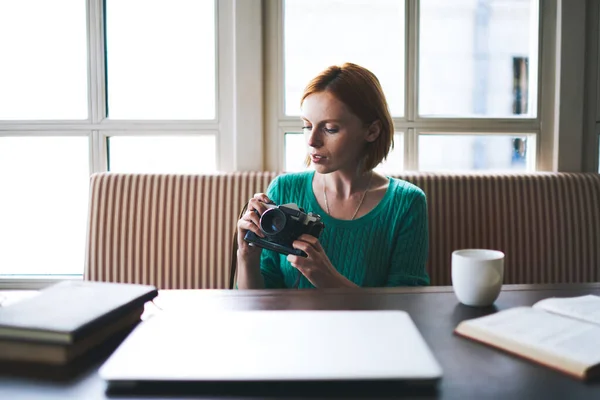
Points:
[(306, 127), (331, 130)]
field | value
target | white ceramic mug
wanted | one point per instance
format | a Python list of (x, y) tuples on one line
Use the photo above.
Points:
[(477, 276)]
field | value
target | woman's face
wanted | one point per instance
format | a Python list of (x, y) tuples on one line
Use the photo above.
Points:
[(336, 138)]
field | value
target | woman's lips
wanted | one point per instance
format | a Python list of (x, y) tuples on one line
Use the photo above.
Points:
[(315, 158)]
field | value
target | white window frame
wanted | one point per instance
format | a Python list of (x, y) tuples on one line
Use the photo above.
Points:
[(239, 104), (556, 74)]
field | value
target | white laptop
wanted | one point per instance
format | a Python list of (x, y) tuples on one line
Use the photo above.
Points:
[(268, 346)]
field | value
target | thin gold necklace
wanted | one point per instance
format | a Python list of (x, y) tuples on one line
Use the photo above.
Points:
[(362, 199)]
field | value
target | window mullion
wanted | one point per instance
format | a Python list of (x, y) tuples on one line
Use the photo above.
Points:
[(411, 149), (97, 82), (274, 86), (411, 82), (412, 44), (95, 165), (97, 103)]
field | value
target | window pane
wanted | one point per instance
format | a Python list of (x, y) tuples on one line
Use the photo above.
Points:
[(43, 72), (162, 154), (476, 153), (320, 33), (296, 150), (160, 59), (43, 206), (478, 58)]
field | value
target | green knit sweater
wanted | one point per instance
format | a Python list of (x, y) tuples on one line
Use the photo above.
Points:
[(386, 247)]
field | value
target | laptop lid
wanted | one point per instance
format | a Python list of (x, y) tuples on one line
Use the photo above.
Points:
[(267, 346)]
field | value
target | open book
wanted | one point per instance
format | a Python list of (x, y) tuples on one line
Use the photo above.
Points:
[(561, 333)]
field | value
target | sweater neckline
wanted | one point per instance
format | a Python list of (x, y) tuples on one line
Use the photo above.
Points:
[(330, 221)]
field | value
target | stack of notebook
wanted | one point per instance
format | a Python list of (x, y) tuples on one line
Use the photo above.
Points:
[(68, 320)]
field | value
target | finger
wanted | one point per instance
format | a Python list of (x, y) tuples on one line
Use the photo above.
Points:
[(295, 260), (248, 225), (305, 237), (251, 215), (254, 218), (262, 198), (306, 247), (300, 263), (259, 206)]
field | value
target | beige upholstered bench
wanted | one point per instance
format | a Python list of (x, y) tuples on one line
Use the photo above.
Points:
[(175, 231), (547, 224)]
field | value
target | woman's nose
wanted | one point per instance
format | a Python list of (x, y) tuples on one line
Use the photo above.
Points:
[(314, 139)]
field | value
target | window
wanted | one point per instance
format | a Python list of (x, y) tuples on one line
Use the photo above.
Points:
[(164, 69), (460, 77), (91, 86), (190, 85), (161, 154), (43, 206), (358, 27), (43, 73), (467, 53), (475, 152)]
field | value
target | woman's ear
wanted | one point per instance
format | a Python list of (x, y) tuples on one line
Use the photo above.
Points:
[(373, 132)]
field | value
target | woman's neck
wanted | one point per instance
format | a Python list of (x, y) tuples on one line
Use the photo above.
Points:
[(344, 185)]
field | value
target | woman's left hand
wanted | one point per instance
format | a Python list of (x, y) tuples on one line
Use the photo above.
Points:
[(316, 267)]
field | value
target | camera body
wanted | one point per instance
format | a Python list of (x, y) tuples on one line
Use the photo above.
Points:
[(282, 225)]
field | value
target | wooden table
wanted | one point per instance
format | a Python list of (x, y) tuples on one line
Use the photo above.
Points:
[(471, 370)]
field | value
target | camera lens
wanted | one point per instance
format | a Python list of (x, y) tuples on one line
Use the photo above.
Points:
[(272, 221)]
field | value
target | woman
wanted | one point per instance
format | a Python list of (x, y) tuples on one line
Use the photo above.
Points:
[(375, 227)]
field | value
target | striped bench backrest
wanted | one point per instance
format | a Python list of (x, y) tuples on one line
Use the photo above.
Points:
[(175, 231), (547, 224), (171, 231)]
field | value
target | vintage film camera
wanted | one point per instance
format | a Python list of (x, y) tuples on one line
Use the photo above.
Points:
[(282, 225)]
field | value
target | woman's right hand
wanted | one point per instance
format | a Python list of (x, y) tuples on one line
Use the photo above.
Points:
[(250, 222)]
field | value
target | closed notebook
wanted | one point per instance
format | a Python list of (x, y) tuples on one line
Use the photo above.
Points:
[(28, 351), (70, 311)]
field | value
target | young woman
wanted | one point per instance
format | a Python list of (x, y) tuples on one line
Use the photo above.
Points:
[(375, 226)]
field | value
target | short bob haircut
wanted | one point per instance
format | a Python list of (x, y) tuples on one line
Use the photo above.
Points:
[(360, 90)]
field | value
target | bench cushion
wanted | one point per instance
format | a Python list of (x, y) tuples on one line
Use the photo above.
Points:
[(547, 224), (175, 231), (171, 231)]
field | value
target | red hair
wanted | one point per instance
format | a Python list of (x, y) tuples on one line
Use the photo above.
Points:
[(360, 90)]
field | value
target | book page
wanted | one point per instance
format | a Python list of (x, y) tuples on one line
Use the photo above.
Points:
[(585, 308), (566, 338)]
